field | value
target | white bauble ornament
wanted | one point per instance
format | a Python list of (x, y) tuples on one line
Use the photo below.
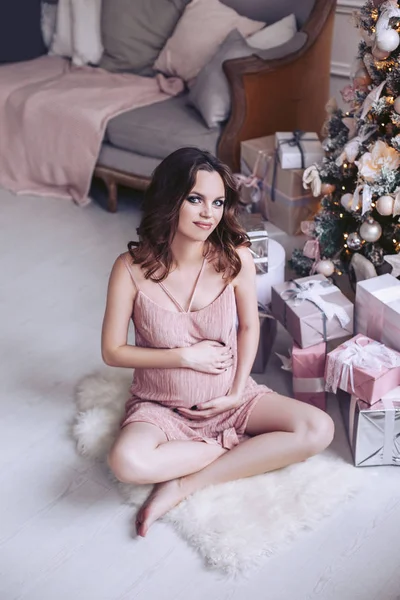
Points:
[(379, 54), (325, 267), (346, 201), (384, 205), (396, 105), (370, 230), (387, 40)]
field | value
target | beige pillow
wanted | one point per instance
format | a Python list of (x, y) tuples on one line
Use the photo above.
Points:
[(202, 28)]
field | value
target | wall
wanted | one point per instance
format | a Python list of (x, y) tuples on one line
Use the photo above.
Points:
[(345, 44)]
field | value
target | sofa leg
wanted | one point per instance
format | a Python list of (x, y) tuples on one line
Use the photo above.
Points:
[(112, 188)]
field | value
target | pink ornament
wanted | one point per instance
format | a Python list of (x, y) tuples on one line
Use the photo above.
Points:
[(328, 188), (348, 93), (380, 54)]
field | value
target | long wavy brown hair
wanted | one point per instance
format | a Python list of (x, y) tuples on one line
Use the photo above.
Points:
[(171, 183)]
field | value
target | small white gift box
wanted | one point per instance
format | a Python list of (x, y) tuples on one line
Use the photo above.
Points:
[(298, 149)]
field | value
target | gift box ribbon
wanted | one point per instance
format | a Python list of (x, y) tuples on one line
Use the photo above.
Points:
[(370, 357), (296, 140), (308, 385), (312, 292)]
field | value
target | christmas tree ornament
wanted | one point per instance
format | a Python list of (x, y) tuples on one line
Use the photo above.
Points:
[(394, 261), (327, 188), (387, 38), (325, 267), (372, 97), (369, 38), (396, 105), (370, 230), (354, 242), (348, 203), (384, 205), (379, 54), (396, 204), (362, 78), (311, 179)]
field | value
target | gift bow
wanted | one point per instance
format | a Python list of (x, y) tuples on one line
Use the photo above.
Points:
[(312, 291), (373, 356), (250, 181)]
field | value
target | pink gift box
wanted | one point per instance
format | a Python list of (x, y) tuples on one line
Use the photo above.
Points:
[(363, 367), (308, 366), (378, 309)]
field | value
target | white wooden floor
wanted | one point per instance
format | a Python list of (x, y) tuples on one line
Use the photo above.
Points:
[(64, 533)]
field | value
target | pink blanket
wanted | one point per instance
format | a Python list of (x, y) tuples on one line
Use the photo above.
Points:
[(53, 116)]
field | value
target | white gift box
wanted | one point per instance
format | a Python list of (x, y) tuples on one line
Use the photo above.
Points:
[(290, 155), (377, 309)]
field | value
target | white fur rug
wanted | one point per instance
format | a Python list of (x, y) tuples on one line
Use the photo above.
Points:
[(234, 525)]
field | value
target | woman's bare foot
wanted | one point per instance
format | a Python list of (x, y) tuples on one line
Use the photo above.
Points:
[(161, 500)]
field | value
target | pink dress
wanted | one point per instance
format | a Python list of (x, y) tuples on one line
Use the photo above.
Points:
[(155, 393)]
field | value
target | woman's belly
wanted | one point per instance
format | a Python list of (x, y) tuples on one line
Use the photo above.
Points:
[(180, 387)]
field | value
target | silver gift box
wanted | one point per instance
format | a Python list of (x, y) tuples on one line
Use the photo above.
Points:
[(259, 249), (373, 431)]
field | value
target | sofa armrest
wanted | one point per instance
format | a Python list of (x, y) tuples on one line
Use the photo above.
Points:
[(282, 88)]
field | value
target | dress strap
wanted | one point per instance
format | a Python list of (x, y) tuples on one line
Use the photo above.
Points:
[(128, 266), (174, 300)]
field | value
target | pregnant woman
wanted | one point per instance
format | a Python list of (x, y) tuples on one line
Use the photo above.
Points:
[(195, 417)]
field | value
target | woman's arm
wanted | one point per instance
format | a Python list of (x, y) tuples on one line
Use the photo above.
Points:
[(115, 350), (249, 326)]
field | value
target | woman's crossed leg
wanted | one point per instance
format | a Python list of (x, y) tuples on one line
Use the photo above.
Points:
[(283, 431)]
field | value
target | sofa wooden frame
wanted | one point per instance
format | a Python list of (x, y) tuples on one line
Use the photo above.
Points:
[(267, 96)]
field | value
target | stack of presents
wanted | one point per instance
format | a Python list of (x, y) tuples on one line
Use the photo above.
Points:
[(272, 191), (350, 350)]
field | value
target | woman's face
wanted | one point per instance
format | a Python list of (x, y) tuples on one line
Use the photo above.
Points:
[(203, 208)]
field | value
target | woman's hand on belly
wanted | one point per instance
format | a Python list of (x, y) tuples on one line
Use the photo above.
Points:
[(207, 356), (211, 408)]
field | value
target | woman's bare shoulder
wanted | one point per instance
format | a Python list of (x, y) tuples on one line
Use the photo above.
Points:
[(245, 255)]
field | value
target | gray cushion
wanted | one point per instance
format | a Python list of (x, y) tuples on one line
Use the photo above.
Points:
[(272, 10), (210, 93), (134, 32), (161, 128)]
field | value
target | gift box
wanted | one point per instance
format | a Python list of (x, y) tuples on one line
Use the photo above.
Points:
[(268, 329), (278, 194), (298, 149), (373, 431), (378, 309), (308, 368), (363, 367), (312, 309)]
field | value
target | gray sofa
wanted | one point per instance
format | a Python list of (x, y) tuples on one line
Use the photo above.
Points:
[(284, 88)]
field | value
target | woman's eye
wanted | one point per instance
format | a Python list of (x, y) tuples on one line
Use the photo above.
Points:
[(193, 199), (219, 203)]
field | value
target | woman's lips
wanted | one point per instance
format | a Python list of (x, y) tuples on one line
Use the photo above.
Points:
[(203, 225)]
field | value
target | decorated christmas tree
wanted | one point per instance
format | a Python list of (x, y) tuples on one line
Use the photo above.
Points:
[(359, 178)]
